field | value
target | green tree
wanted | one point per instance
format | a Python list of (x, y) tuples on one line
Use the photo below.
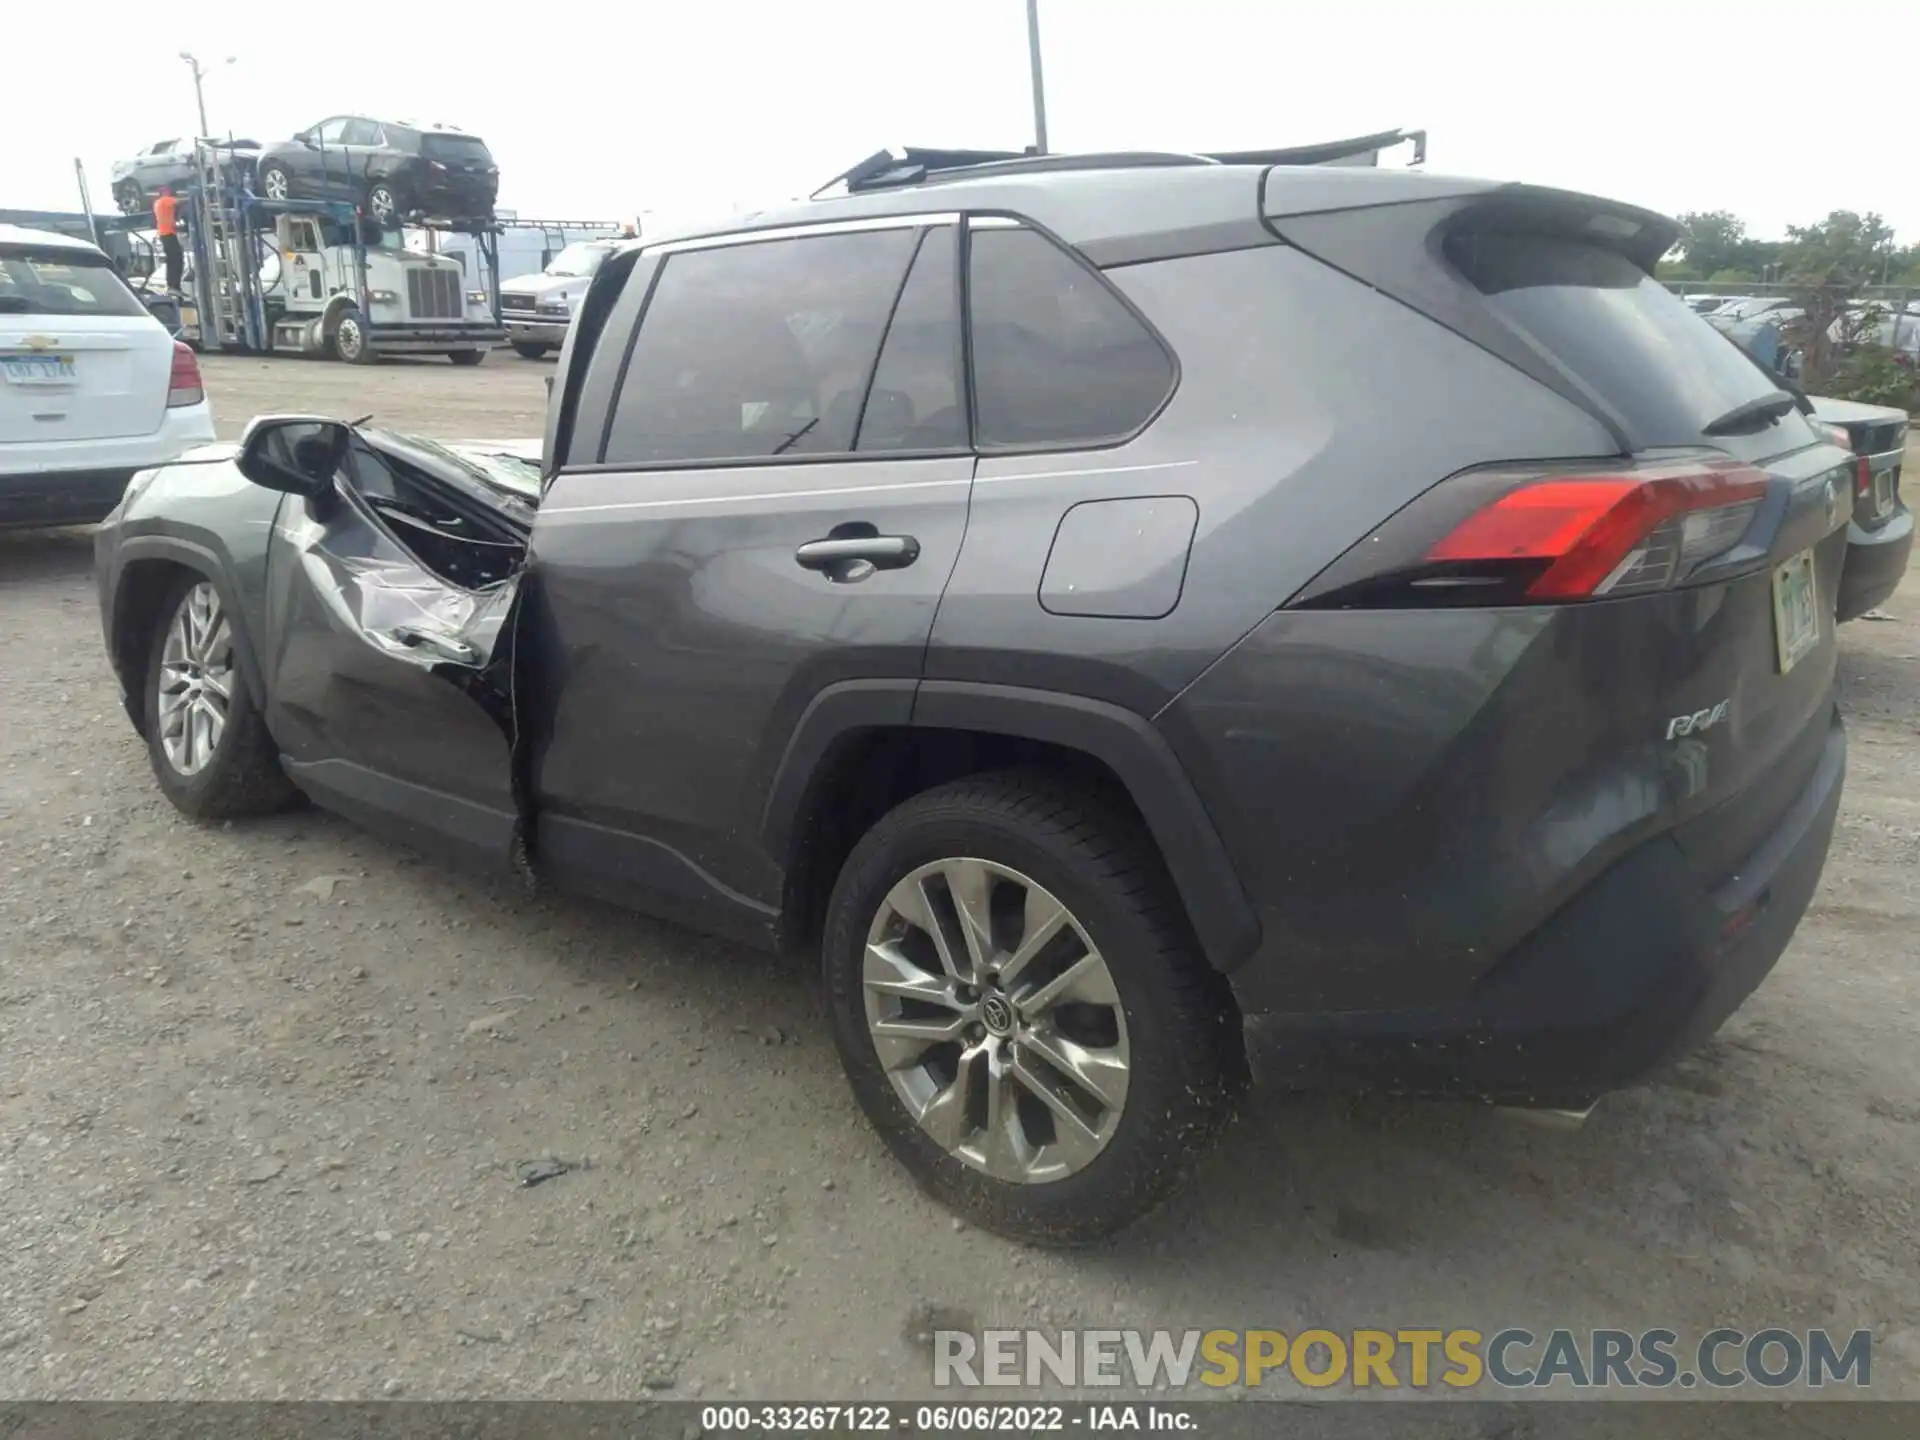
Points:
[(1846, 248), (1827, 264), (1905, 267), (1715, 240)]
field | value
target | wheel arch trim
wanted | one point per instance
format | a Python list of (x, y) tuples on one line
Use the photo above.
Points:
[(204, 561), (1223, 918)]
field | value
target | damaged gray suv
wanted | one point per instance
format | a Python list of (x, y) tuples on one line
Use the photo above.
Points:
[(1147, 621)]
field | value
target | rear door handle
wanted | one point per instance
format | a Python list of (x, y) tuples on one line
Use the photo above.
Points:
[(854, 557)]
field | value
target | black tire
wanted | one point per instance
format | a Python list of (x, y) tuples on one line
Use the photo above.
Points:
[(130, 198), (1187, 1060), (271, 171), (466, 357), (243, 777), (347, 339), (528, 350)]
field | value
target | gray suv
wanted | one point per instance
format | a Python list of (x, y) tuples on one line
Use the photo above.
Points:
[(1144, 621)]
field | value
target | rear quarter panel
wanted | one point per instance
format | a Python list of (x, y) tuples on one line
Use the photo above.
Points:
[(1308, 409)]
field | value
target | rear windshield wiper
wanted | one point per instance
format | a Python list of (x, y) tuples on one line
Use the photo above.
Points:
[(1750, 415)]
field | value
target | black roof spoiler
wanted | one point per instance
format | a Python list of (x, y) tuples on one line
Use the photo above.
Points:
[(914, 165)]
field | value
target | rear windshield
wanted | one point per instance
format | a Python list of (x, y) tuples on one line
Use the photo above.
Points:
[(54, 281), (455, 147), (1620, 331)]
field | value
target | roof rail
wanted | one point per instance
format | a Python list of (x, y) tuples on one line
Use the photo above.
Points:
[(1361, 149), (891, 169), (887, 168)]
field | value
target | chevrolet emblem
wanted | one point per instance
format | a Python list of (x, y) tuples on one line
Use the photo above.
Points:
[(40, 342)]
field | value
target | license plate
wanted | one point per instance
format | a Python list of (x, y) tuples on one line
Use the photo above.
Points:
[(1796, 610), (37, 369)]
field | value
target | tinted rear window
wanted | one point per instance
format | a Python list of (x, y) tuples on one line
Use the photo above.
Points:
[(455, 147), (54, 281), (1615, 327)]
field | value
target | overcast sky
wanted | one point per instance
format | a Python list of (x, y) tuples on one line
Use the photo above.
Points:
[(678, 109)]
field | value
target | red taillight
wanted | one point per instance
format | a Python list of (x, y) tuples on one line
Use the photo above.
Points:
[(1862, 478), (1610, 534), (184, 387)]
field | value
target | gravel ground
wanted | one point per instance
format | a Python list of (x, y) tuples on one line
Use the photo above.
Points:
[(263, 1090)]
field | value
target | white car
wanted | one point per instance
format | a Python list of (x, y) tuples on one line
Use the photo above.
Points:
[(92, 387), (538, 308)]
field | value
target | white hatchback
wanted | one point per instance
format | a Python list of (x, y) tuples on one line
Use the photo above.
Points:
[(92, 387)]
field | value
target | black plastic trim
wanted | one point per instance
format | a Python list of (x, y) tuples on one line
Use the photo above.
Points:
[(1222, 917), (1215, 239), (208, 564), (658, 265), (837, 711), (476, 835), (640, 873)]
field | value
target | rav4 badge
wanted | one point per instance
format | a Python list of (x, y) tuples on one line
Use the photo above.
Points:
[(1699, 720)]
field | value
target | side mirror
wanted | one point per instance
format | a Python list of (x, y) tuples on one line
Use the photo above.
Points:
[(299, 454), (305, 137)]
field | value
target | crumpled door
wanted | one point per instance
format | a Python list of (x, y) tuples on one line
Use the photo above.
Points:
[(391, 688)]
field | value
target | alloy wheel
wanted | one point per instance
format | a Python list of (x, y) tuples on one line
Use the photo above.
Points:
[(996, 1020), (380, 203), (195, 680), (349, 338), (274, 183)]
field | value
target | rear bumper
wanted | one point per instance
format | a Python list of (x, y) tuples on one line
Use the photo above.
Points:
[(1876, 561), (1637, 969), (76, 482), (60, 497)]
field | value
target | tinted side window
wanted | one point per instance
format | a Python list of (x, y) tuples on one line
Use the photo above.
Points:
[(332, 132), (758, 349), (361, 132), (916, 402), (1057, 358)]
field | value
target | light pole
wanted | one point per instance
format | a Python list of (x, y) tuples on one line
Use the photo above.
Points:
[(1039, 85), (199, 95)]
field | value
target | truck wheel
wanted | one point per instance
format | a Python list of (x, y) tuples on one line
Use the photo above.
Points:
[(206, 738), (466, 357), (529, 350), (347, 340), (1022, 1009)]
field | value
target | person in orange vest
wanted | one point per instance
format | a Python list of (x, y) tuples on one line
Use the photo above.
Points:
[(166, 224)]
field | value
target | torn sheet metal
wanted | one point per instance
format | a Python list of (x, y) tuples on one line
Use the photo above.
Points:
[(409, 614), (462, 636)]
